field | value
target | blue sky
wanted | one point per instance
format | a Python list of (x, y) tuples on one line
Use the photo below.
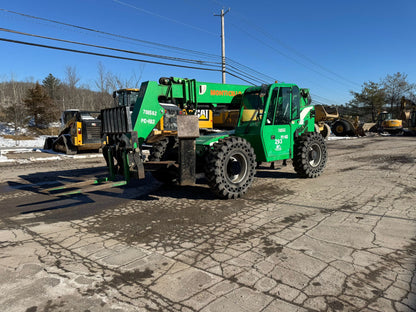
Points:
[(331, 47)]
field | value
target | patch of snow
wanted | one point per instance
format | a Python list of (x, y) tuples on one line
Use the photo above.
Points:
[(29, 146), (333, 138), (38, 142), (8, 129)]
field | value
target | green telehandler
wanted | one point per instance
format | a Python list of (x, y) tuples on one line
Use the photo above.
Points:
[(275, 122)]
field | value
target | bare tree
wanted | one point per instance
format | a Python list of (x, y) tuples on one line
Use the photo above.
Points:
[(72, 78), (102, 81), (13, 109), (104, 88), (395, 87), (120, 81)]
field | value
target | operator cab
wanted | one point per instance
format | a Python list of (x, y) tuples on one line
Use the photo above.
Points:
[(384, 116), (125, 97), (67, 116), (269, 116)]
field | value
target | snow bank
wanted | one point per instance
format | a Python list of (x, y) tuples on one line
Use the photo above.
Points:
[(8, 129), (36, 143)]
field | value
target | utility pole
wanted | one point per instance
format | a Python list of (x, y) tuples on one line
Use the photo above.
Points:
[(222, 42)]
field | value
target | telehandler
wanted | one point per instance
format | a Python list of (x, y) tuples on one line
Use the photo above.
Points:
[(276, 122)]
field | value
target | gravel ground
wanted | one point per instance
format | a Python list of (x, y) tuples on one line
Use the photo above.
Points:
[(345, 241)]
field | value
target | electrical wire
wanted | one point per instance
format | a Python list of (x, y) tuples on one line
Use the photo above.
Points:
[(104, 55), (237, 66), (303, 56), (161, 16), (287, 56), (234, 68), (200, 62), (159, 45)]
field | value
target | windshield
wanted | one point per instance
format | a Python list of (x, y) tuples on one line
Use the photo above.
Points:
[(126, 98), (133, 98), (385, 116), (66, 116), (253, 107)]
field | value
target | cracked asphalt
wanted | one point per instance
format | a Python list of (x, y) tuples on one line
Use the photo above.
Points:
[(345, 241)]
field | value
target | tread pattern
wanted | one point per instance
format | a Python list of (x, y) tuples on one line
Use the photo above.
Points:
[(302, 159), (218, 162)]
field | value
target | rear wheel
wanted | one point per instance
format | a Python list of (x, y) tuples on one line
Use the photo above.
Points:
[(230, 167), (310, 155)]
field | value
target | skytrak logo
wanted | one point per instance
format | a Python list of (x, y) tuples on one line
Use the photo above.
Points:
[(225, 93)]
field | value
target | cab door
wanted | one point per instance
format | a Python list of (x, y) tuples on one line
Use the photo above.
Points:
[(277, 136)]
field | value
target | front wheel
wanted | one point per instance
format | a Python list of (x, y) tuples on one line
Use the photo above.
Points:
[(340, 128), (310, 155), (326, 132), (165, 149), (230, 167)]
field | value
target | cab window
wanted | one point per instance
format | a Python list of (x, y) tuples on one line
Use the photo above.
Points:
[(283, 107), (295, 102)]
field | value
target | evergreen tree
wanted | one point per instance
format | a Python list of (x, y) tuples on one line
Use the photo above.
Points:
[(370, 101), (52, 85), (40, 106)]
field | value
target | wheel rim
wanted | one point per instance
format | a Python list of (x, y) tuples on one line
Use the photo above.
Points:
[(237, 166), (314, 155), (339, 129)]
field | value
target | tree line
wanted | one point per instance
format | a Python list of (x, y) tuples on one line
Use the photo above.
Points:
[(393, 94), (40, 103)]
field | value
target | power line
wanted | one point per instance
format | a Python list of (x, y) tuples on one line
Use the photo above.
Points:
[(114, 49), (237, 70), (325, 99), (160, 45), (125, 58), (163, 17), (303, 56), (235, 74), (116, 57), (104, 55), (236, 66), (287, 56)]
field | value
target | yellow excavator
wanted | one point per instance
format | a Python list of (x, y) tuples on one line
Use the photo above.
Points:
[(385, 123)]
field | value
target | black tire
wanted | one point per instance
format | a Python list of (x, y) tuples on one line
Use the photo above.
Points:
[(340, 128), (165, 149), (310, 155), (326, 132), (230, 167)]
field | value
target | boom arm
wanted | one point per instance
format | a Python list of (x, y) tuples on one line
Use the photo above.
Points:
[(186, 94)]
